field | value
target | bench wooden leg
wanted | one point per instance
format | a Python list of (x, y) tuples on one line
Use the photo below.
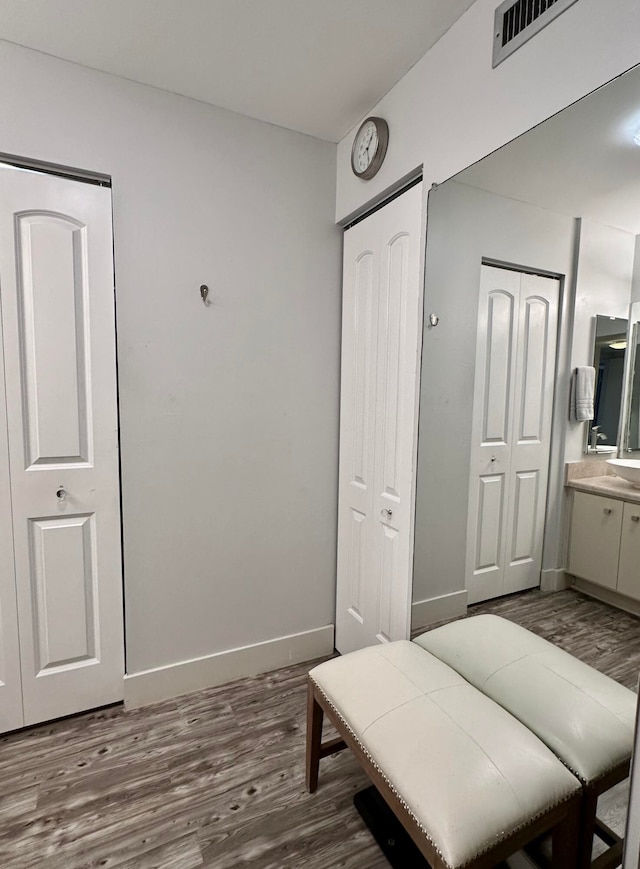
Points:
[(315, 717), (592, 827), (587, 827), (566, 839)]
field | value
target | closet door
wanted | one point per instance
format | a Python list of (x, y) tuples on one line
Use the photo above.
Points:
[(511, 435), (534, 384), (56, 273), (381, 335), (491, 433), (355, 607)]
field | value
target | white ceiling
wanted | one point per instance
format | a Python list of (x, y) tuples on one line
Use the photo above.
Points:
[(316, 67), (582, 162)]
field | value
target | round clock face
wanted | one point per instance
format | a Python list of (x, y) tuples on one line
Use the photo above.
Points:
[(369, 147)]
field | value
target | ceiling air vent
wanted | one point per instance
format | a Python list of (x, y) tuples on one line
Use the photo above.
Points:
[(516, 22)]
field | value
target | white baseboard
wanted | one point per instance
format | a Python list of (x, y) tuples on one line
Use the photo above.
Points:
[(437, 609), (172, 680), (554, 579)]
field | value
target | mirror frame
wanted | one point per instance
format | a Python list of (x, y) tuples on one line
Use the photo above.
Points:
[(618, 435), (633, 356)]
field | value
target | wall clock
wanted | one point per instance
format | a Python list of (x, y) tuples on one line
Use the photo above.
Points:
[(369, 147)]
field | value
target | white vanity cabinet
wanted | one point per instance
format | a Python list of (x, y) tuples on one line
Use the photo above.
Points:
[(629, 565), (604, 545)]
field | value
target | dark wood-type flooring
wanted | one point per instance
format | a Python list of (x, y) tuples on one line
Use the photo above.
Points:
[(215, 779)]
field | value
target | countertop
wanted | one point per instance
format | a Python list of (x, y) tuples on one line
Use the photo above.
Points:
[(608, 486)]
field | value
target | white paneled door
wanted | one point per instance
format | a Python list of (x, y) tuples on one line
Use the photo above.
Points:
[(511, 438), (381, 333), (58, 331)]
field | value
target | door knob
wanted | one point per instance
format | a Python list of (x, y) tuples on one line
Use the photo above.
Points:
[(635, 518), (607, 511), (61, 493), (387, 513)]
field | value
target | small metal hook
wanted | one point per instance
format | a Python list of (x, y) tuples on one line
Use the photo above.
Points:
[(204, 292)]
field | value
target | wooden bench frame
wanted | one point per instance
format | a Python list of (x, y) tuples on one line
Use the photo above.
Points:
[(590, 826), (562, 821)]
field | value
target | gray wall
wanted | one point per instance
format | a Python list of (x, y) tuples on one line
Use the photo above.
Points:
[(229, 415), (464, 225)]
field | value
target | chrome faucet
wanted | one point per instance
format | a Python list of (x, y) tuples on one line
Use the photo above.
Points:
[(596, 435)]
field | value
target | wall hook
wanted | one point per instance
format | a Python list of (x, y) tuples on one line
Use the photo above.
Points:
[(204, 292)]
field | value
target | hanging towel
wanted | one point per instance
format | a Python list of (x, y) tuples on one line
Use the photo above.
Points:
[(582, 392)]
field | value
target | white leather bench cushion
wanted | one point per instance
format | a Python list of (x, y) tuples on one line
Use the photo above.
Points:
[(468, 772), (586, 718)]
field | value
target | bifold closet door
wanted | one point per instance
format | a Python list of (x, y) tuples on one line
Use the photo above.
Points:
[(381, 334), (57, 303), (511, 436)]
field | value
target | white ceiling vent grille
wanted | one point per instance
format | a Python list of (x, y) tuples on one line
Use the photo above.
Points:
[(516, 22)]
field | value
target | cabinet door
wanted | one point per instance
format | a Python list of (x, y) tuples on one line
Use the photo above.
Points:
[(596, 523), (629, 567)]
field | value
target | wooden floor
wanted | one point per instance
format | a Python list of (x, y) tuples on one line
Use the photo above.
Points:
[(215, 779)]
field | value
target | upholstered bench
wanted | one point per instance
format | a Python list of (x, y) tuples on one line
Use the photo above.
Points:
[(583, 716), (468, 781)]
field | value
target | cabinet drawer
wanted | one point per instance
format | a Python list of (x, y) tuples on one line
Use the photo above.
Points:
[(594, 548), (629, 567)]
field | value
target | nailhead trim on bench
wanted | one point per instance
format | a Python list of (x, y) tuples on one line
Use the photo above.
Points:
[(408, 809)]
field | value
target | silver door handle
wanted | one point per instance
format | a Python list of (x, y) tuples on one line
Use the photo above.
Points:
[(387, 513), (61, 493)]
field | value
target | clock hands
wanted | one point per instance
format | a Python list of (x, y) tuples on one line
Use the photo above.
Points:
[(372, 140)]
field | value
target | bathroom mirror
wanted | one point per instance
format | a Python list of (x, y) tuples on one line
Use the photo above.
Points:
[(561, 202), (609, 352), (632, 421)]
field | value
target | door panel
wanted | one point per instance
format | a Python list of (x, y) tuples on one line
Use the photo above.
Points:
[(515, 364), (51, 291), (392, 293), (388, 568), (499, 331), (380, 356), (59, 351), (356, 557), (490, 523), (361, 388), (533, 382), (525, 514), (63, 591)]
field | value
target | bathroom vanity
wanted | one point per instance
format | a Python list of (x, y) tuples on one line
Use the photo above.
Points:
[(603, 552), (604, 535)]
